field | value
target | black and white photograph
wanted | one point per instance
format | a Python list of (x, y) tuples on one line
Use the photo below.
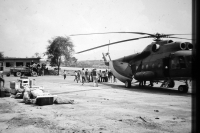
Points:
[(97, 66)]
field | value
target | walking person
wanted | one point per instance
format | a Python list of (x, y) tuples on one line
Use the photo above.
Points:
[(106, 76), (114, 79), (76, 76), (94, 73), (65, 74), (83, 76), (79, 75), (100, 76), (109, 76), (103, 76), (86, 75), (1, 79)]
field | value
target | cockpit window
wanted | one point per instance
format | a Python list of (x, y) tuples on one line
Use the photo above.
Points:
[(178, 63)]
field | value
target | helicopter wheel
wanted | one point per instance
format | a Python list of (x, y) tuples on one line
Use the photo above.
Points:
[(34, 74), (18, 74), (183, 88), (127, 84)]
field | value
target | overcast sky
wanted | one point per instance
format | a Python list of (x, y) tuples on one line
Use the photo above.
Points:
[(27, 25)]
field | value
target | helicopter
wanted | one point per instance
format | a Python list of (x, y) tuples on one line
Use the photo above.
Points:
[(161, 60)]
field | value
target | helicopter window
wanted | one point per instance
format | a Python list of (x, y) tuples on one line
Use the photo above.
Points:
[(147, 66), (142, 66), (155, 47), (136, 67), (170, 41), (175, 63), (182, 62), (188, 61), (178, 63), (153, 65)]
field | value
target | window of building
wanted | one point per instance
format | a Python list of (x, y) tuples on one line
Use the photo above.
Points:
[(1, 66), (19, 64), (28, 64), (9, 64)]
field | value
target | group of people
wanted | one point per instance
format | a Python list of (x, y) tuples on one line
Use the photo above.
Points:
[(143, 83), (86, 76), (38, 68)]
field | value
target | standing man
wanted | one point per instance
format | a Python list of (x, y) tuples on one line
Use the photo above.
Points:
[(94, 73), (86, 75), (106, 76), (79, 75), (100, 76), (1, 79), (65, 73), (83, 76), (76, 76)]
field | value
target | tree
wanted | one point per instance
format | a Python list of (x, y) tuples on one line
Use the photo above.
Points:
[(71, 62), (1, 55), (60, 48)]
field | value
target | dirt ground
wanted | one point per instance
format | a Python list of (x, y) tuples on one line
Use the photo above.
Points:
[(108, 108)]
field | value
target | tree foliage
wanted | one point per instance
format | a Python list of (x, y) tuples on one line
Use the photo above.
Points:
[(60, 49), (71, 62), (1, 55)]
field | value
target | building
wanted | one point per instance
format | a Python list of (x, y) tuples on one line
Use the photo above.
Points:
[(7, 63)]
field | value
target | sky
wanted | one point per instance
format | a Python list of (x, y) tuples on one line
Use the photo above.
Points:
[(27, 25)]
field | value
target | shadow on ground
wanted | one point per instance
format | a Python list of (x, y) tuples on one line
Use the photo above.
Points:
[(135, 88)]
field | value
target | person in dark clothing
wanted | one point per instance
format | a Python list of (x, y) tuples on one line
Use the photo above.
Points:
[(94, 73), (83, 76)]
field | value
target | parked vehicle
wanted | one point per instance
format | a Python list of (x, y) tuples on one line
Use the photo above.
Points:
[(19, 71)]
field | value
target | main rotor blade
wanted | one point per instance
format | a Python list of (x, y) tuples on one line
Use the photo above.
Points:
[(112, 44), (141, 33), (179, 38), (175, 34)]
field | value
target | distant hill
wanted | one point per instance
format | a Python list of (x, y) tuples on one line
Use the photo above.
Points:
[(91, 64), (85, 64)]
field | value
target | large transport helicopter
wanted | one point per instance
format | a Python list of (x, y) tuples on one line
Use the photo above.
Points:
[(162, 60)]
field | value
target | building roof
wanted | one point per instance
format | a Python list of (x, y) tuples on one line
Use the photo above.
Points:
[(14, 58)]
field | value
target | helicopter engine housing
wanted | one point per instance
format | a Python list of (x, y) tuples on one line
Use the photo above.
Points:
[(183, 46), (189, 46)]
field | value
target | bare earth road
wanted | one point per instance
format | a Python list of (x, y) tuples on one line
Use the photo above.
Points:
[(104, 109)]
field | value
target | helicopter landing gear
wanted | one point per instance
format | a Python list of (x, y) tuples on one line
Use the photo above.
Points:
[(127, 83), (183, 88)]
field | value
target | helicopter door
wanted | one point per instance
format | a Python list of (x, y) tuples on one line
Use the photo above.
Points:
[(178, 67), (166, 67)]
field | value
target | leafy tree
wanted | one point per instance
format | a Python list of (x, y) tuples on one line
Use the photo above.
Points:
[(71, 62), (60, 49), (1, 55)]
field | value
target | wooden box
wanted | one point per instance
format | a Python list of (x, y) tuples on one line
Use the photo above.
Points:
[(44, 100), (2, 93)]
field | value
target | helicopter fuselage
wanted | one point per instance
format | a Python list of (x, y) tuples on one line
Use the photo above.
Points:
[(158, 61)]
